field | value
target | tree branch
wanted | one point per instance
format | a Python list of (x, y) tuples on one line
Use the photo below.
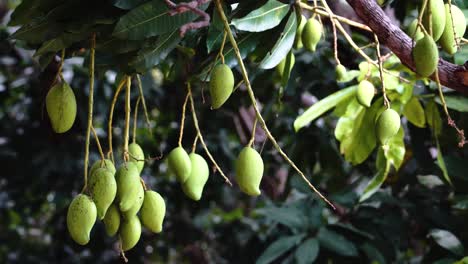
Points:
[(451, 75)]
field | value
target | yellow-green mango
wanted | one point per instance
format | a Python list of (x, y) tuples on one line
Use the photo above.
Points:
[(137, 155), (221, 85), (137, 205), (412, 28), (81, 217), (387, 125), (112, 220), (365, 93), (153, 211), (61, 107), (107, 164), (298, 40), (179, 164), (436, 7), (249, 171), (340, 72), (193, 187), (282, 64), (103, 188), (130, 232), (425, 56), (128, 182), (311, 34), (447, 41)]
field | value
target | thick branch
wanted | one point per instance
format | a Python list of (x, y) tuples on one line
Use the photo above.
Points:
[(451, 75)]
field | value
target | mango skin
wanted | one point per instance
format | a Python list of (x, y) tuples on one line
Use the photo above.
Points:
[(130, 232), (112, 220), (298, 39), (340, 72), (107, 164), (153, 211), (128, 181), (103, 189), (365, 93), (221, 85), (61, 107), (249, 171), (81, 217), (447, 40), (387, 125), (137, 155), (282, 64), (311, 34), (412, 27), (193, 187), (137, 205), (438, 18), (179, 163), (425, 56)]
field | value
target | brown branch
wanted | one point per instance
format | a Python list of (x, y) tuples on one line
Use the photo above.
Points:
[(451, 75), (193, 7)]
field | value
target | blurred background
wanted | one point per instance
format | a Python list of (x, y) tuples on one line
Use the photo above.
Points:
[(415, 218)]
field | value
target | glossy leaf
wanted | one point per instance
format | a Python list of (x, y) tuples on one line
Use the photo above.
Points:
[(441, 162), (434, 120), (291, 217), (447, 240), (383, 167), (266, 17), (336, 243), (278, 248), (455, 102), (414, 112), (128, 4), (307, 252)]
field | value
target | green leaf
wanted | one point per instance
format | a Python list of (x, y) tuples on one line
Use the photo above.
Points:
[(307, 252), (455, 102), (396, 149), (29, 9), (215, 31), (61, 42), (37, 32), (323, 106), (291, 216), (266, 17), (150, 19), (350, 75), (383, 167), (434, 120), (447, 240), (373, 253), (128, 4), (336, 243), (282, 46), (278, 248), (414, 112), (462, 261), (441, 162)]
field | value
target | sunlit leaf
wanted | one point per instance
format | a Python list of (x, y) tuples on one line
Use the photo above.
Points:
[(455, 102), (447, 240), (434, 120), (414, 112), (266, 17)]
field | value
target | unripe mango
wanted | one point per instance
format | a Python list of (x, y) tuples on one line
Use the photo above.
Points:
[(365, 93), (179, 164), (412, 28), (436, 7), (112, 220), (106, 164), (387, 125), (298, 39), (103, 189), (340, 72), (193, 187), (137, 156), (61, 107), (153, 211), (128, 182), (137, 205), (81, 217), (425, 56), (282, 64), (221, 85), (448, 41), (311, 34), (249, 171), (130, 232)]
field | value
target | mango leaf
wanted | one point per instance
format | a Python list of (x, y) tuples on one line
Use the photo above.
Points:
[(307, 252), (38, 31), (29, 9), (441, 162), (414, 112), (447, 240), (282, 46), (396, 149), (462, 261), (346, 122), (336, 243), (434, 120), (278, 248), (266, 17), (215, 31), (128, 4), (383, 167), (150, 19), (61, 42), (350, 75), (118, 46), (373, 254), (455, 102), (292, 217), (323, 106)]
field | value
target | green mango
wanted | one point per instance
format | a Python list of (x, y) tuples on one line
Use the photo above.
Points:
[(249, 171), (447, 41), (193, 187), (130, 232), (221, 85), (103, 188), (298, 39), (137, 205), (340, 72), (387, 125), (412, 28), (436, 7), (112, 220), (153, 211), (365, 93), (282, 64), (179, 164), (128, 182), (425, 56), (311, 34), (81, 217), (61, 107), (137, 155), (107, 164)]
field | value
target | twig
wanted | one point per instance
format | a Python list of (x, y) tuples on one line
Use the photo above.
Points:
[(252, 137), (127, 119), (135, 119), (379, 57), (143, 102), (98, 143), (111, 116), (194, 145), (182, 121)]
